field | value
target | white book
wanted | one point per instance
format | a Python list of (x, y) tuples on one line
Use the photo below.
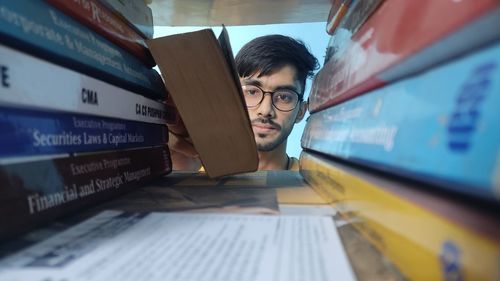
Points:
[(27, 81), (186, 246)]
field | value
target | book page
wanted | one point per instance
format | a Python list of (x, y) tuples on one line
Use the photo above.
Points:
[(124, 246), (259, 179), (227, 52)]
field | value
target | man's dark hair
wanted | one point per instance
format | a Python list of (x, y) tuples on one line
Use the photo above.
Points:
[(268, 54)]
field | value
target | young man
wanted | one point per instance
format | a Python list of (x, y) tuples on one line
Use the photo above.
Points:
[(273, 71)]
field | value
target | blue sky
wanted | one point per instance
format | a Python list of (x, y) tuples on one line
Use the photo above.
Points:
[(312, 34)]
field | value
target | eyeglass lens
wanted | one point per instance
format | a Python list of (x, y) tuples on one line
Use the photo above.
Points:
[(283, 100)]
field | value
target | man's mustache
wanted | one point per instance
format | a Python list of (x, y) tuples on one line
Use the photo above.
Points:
[(265, 121)]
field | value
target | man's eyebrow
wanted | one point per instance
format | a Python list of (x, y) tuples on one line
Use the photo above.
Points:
[(287, 87), (253, 82), (256, 82)]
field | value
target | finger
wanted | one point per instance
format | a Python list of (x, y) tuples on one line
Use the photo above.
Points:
[(184, 163), (182, 146)]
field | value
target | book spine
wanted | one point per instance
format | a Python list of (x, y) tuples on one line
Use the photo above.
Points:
[(400, 39), (424, 243), (337, 12), (64, 185), (37, 28), (136, 12), (25, 85), (356, 15), (100, 19), (409, 126), (26, 133)]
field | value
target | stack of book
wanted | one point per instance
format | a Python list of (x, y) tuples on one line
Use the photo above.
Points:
[(403, 136), (82, 111)]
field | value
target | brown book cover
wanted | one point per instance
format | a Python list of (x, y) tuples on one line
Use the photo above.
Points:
[(201, 78)]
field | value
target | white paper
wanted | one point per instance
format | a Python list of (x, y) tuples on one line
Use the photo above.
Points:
[(179, 246), (307, 210)]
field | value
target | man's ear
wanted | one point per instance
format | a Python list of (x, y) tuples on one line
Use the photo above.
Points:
[(302, 111)]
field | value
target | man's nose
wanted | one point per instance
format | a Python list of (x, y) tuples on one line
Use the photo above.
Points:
[(266, 107)]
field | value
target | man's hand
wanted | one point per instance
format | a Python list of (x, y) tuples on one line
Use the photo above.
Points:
[(184, 155)]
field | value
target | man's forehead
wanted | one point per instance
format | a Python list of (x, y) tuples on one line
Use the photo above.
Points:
[(283, 76), (289, 68)]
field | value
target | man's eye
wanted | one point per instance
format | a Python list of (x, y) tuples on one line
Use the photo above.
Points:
[(284, 97), (250, 91)]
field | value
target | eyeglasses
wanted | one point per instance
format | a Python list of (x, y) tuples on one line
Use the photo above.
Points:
[(283, 100)]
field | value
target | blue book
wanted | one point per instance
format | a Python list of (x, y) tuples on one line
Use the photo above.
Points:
[(26, 132), (440, 126), (37, 28)]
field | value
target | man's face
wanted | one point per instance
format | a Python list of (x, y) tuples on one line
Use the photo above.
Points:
[(271, 126)]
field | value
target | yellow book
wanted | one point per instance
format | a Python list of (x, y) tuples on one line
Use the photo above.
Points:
[(427, 234)]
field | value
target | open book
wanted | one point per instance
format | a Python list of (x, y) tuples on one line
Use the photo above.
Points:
[(201, 78), (116, 245)]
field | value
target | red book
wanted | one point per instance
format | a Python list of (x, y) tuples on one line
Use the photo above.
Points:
[(403, 38), (100, 19)]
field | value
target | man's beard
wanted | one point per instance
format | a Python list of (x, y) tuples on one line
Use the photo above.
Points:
[(269, 146)]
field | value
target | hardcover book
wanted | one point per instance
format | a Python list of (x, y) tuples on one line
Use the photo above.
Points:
[(74, 92), (136, 13), (402, 38), (62, 185), (431, 127), (429, 235), (102, 20), (38, 28), (25, 132), (201, 78), (348, 17)]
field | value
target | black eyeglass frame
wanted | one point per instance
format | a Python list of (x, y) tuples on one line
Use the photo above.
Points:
[(299, 97)]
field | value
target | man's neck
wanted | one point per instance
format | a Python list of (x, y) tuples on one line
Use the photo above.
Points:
[(274, 160)]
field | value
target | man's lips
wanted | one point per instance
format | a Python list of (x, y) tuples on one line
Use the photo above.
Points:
[(263, 128)]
